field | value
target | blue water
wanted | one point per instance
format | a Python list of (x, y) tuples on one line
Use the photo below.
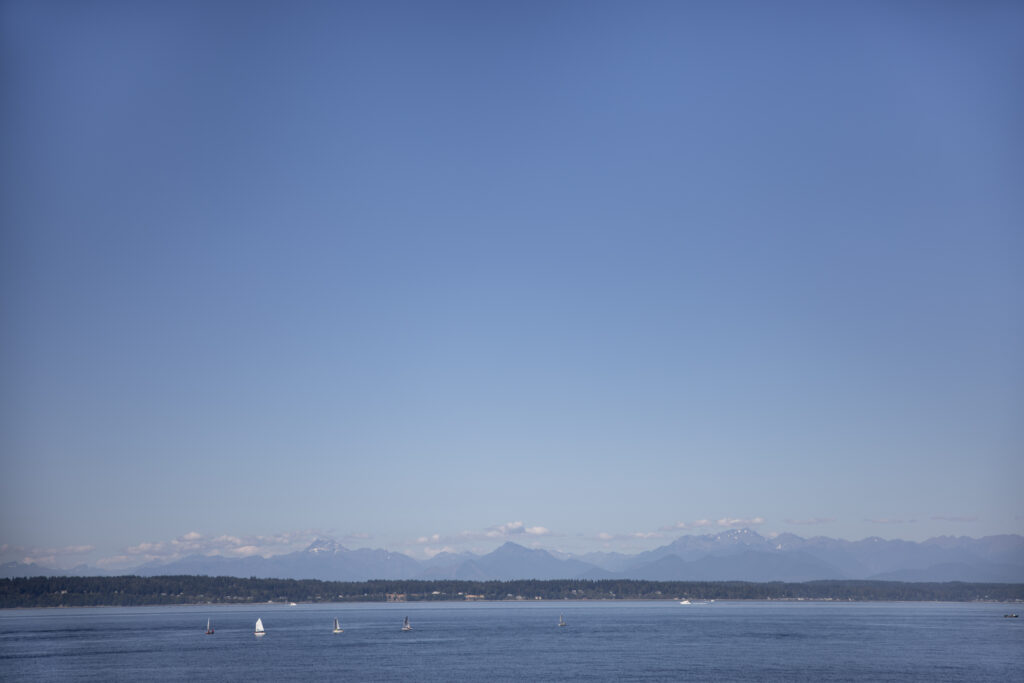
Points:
[(604, 641)]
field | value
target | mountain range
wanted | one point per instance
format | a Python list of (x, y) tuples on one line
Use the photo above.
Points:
[(736, 555)]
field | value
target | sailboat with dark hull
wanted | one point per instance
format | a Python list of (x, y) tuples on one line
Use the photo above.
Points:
[(209, 628)]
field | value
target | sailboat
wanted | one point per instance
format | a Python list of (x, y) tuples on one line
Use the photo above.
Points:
[(337, 626), (209, 628), (561, 620), (406, 626), (259, 627)]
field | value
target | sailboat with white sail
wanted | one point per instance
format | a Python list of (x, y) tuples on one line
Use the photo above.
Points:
[(561, 620), (209, 628), (406, 626), (337, 626), (259, 628)]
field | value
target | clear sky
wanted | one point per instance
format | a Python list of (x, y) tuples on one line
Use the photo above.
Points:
[(588, 275)]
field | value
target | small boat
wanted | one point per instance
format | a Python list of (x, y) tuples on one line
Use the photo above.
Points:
[(337, 626), (684, 602), (209, 628), (406, 626), (561, 620), (259, 628), (1009, 616)]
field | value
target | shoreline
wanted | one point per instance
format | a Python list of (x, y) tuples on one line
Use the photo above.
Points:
[(135, 591), (498, 602)]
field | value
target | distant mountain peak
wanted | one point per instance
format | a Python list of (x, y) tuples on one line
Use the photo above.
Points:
[(740, 534), (738, 537), (325, 545), (510, 547)]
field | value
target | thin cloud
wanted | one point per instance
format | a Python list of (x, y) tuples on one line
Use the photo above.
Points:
[(432, 544), (734, 522), (500, 531), (699, 524), (890, 520), (812, 521), (434, 538), (48, 557), (943, 518), (634, 536), (505, 530), (196, 543), (724, 522), (117, 561)]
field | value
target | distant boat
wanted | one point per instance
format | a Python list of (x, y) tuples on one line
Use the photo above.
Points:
[(684, 602), (406, 626), (209, 628), (337, 626), (561, 620), (259, 627)]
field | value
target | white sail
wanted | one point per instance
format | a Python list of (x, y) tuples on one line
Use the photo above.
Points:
[(406, 626), (561, 620), (259, 627), (337, 626)]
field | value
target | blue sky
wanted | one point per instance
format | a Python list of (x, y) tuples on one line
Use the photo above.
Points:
[(585, 275)]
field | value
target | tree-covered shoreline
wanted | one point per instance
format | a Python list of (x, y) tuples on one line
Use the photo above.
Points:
[(85, 591)]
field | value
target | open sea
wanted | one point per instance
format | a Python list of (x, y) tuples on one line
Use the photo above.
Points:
[(603, 641)]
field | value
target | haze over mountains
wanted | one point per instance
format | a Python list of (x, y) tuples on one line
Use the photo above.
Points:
[(742, 555)]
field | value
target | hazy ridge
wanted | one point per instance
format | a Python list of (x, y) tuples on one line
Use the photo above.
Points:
[(736, 555)]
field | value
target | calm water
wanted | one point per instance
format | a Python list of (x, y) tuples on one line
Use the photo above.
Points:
[(723, 641)]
